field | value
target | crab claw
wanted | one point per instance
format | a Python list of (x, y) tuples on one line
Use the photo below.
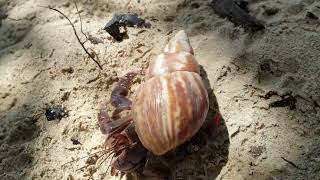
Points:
[(131, 158)]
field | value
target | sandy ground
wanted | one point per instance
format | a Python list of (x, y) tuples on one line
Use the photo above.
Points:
[(38, 49)]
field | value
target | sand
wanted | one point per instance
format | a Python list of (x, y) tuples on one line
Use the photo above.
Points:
[(38, 49)]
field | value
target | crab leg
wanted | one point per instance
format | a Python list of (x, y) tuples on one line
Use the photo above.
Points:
[(120, 102), (130, 159), (109, 126), (119, 93)]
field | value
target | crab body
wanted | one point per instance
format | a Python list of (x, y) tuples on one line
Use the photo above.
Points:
[(168, 110)]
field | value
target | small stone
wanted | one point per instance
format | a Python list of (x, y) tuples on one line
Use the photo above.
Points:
[(195, 5), (169, 18), (261, 126), (65, 96), (27, 46), (270, 11), (67, 70), (75, 141), (5, 95), (66, 4)]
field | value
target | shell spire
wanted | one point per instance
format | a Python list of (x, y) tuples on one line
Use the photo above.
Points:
[(179, 43), (177, 56)]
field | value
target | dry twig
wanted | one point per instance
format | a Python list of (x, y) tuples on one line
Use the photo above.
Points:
[(292, 164)]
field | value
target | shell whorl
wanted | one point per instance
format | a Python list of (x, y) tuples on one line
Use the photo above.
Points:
[(169, 110), (173, 103)]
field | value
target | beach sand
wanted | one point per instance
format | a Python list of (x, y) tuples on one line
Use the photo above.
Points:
[(41, 63)]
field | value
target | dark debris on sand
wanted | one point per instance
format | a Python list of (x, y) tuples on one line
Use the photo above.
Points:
[(123, 20)]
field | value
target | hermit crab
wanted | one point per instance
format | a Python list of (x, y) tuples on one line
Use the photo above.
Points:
[(168, 110)]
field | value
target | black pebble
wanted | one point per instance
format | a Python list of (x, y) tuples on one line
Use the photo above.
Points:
[(55, 112)]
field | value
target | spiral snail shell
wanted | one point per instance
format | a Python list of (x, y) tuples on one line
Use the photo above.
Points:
[(173, 103)]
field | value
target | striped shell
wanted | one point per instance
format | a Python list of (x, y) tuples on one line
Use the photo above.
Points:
[(173, 103)]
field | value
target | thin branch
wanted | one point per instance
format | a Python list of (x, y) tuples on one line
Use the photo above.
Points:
[(81, 29), (90, 155), (292, 164), (76, 34)]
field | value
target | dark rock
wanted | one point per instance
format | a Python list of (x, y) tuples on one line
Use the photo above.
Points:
[(123, 20), (55, 112), (311, 15)]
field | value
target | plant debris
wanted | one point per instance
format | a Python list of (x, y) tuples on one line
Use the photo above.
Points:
[(285, 101), (55, 112), (237, 13), (269, 94), (123, 20), (292, 164)]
